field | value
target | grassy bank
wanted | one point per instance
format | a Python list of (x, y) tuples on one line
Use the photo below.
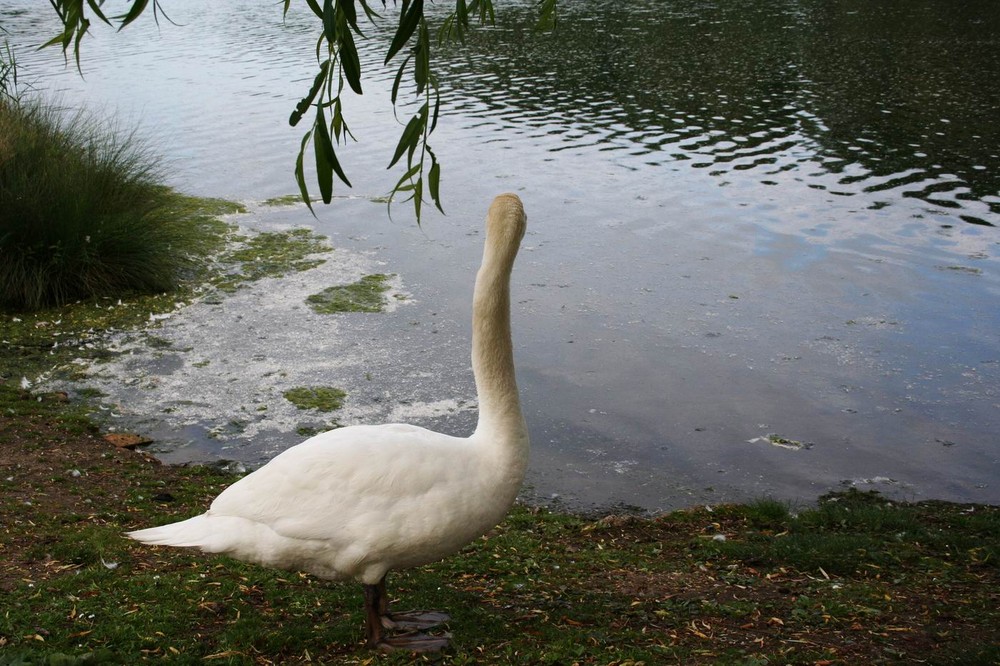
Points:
[(853, 580)]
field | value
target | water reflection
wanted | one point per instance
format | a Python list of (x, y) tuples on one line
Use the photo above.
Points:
[(889, 99)]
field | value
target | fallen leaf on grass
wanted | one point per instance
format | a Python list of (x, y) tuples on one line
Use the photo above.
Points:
[(127, 440), (223, 655)]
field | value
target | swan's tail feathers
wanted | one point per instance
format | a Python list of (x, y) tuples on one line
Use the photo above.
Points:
[(199, 532)]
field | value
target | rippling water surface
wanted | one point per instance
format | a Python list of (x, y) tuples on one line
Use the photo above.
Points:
[(885, 99), (746, 219)]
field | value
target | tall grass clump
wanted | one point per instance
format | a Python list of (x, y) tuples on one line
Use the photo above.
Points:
[(8, 73), (83, 212)]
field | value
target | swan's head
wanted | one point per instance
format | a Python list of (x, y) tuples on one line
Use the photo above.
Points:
[(506, 221)]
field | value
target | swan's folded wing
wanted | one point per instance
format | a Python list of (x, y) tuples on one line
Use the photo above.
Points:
[(338, 485)]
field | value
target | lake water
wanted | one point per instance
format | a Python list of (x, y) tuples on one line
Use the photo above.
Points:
[(745, 219)]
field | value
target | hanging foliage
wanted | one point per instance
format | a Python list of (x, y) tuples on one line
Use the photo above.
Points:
[(337, 27)]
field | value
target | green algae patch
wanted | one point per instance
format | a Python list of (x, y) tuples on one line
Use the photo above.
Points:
[(782, 442), (295, 199), (204, 208), (271, 254), (320, 398), (286, 200), (210, 233), (961, 269), (365, 295)]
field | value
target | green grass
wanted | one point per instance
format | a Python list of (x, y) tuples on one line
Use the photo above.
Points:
[(543, 588), (8, 74), (856, 531), (83, 212)]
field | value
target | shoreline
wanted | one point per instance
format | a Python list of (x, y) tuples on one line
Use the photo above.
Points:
[(872, 582)]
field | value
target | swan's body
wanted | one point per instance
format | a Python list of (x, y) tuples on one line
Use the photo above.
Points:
[(358, 501), (355, 503)]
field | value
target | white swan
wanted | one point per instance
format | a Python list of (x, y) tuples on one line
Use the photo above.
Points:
[(355, 502)]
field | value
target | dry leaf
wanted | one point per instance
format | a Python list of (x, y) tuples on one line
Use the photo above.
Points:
[(127, 440)]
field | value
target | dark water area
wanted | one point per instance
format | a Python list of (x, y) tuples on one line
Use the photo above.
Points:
[(762, 259), (884, 99)]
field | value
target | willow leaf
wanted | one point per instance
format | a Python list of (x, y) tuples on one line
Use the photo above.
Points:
[(422, 58), (399, 77), (434, 184), (340, 124), (95, 6), (350, 13), (447, 30), (422, 121), (408, 23), (546, 15), (409, 138), (350, 62), (437, 108), (485, 10), (81, 30), (300, 175), (326, 157), (329, 152), (330, 21), (323, 150), (418, 197), (138, 6), (306, 101), (317, 10)]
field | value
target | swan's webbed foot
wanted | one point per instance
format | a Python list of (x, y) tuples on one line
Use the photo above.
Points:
[(378, 620), (413, 642), (414, 620)]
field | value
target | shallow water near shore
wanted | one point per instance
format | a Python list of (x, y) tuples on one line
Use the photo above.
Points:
[(761, 268)]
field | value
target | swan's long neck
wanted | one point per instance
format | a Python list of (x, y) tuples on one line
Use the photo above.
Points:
[(500, 418)]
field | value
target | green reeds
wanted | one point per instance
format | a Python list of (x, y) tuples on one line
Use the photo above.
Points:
[(82, 211)]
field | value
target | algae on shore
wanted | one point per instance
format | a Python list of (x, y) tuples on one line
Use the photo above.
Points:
[(365, 295), (271, 254), (320, 398)]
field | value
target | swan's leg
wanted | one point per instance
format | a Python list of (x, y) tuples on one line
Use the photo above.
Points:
[(374, 601), (383, 598), (375, 626)]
